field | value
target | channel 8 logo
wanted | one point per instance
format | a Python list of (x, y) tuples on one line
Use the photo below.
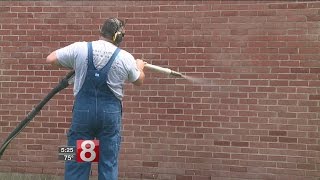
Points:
[(87, 150)]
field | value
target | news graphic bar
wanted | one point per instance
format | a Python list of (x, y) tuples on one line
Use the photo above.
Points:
[(84, 151), (87, 150), (67, 153)]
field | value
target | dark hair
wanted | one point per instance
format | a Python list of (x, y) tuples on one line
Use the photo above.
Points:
[(113, 28)]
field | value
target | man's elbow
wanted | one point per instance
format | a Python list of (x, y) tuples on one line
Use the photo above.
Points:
[(139, 81), (52, 59)]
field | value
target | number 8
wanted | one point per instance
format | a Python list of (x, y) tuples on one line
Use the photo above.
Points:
[(89, 150)]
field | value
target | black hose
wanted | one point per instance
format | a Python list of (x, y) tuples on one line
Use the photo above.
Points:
[(62, 85)]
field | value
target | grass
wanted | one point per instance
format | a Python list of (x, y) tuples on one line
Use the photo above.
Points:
[(20, 176)]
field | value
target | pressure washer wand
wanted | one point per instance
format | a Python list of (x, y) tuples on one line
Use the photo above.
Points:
[(163, 70)]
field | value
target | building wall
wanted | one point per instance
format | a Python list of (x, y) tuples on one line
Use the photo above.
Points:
[(254, 113)]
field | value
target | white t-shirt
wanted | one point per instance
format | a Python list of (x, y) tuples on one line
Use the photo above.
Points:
[(124, 67)]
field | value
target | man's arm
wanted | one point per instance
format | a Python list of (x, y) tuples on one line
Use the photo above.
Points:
[(140, 65), (53, 60)]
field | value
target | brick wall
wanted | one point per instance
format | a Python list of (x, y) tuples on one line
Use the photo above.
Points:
[(255, 117)]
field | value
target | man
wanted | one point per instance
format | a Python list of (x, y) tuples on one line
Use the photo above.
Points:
[(101, 70)]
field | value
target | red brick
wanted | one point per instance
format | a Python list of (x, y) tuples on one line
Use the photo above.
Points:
[(288, 140), (277, 133), (306, 166), (314, 97), (268, 139), (150, 164), (180, 177), (34, 147), (313, 147), (238, 169), (241, 144), (222, 143)]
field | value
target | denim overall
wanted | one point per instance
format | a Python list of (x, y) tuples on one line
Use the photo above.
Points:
[(96, 114)]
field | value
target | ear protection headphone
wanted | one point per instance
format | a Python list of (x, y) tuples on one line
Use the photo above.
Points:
[(119, 34)]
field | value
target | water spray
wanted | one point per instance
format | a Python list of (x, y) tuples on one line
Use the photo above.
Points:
[(163, 70)]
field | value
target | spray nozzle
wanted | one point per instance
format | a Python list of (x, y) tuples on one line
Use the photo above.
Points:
[(176, 74)]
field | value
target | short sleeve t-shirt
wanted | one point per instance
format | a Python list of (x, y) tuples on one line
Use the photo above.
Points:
[(124, 68)]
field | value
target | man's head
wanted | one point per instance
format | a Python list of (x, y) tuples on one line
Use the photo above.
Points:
[(113, 29)]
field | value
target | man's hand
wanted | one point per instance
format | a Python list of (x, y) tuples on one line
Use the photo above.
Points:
[(140, 65)]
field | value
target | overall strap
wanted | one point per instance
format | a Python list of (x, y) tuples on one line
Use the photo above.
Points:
[(90, 57), (111, 60)]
